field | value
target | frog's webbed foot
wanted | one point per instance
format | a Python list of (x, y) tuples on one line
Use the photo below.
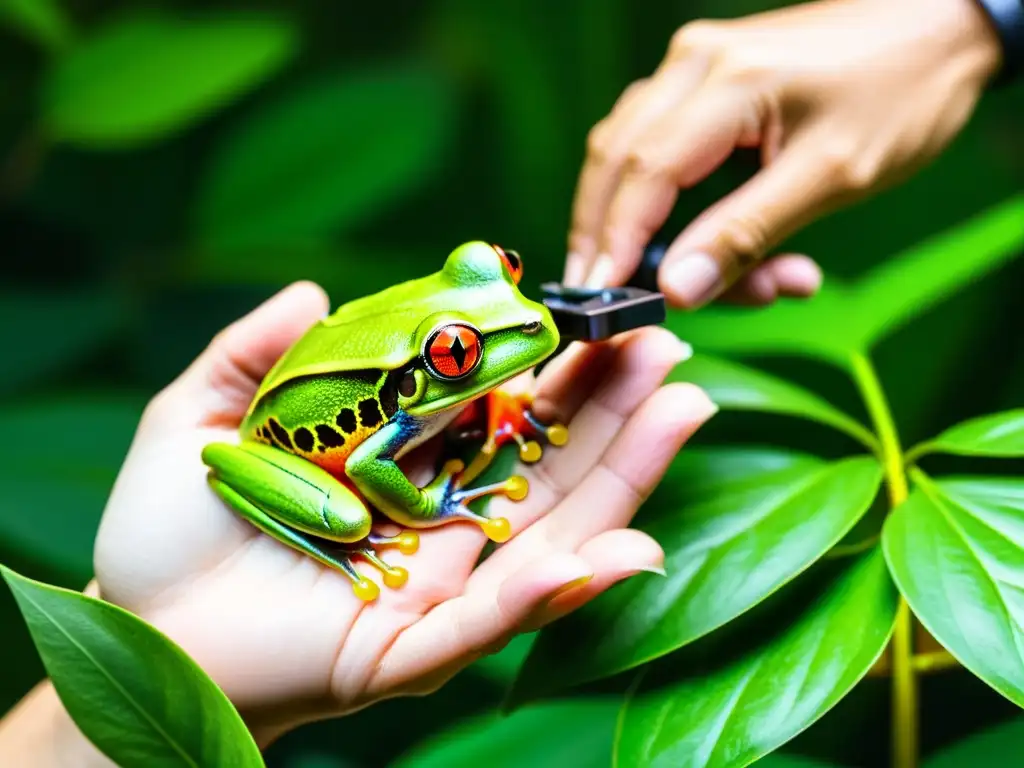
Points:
[(508, 419), (454, 498), (342, 557)]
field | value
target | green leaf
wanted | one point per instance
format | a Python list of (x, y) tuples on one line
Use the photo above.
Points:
[(732, 711), (503, 666), (142, 78), (844, 319), (997, 434), (327, 156), (780, 760), (956, 550), (58, 462), (728, 545), (577, 733), (819, 327), (909, 284), (41, 333), (130, 690), (42, 20), (738, 387), (992, 746)]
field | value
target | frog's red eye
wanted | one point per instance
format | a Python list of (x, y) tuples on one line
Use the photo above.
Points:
[(513, 263), (453, 351)]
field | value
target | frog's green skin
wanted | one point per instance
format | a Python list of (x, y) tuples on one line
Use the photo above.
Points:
[(355, 393)]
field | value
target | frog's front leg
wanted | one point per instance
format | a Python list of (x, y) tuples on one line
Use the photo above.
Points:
[(302, 506), (378, 477)]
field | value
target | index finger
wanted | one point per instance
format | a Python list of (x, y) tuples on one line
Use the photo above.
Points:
[(683, 148)]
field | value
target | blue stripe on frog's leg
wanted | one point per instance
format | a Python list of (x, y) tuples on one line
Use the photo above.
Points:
[(374, 471)]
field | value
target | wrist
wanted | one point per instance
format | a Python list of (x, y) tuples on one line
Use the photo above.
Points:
[(39, 733)]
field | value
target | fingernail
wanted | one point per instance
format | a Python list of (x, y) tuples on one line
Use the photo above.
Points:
[(575, 266), (651, 569), (685, 351), (710, 409), (569, 586), (695, 278), (600, 272)]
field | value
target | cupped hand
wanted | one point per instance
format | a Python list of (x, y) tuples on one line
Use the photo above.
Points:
[(283, 635), (843, 97)]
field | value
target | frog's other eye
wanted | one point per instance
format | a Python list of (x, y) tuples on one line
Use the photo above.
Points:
[(453, 351), (532, 328), (407, 385), (411, 387), (513, 263)]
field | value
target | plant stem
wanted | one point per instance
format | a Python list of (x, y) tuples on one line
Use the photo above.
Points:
[(904, 684)]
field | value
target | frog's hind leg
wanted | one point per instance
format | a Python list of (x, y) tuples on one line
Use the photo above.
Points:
[(341, 561), (508, 418)]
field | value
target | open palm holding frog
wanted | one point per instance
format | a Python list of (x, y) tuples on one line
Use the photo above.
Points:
[(308, 622)]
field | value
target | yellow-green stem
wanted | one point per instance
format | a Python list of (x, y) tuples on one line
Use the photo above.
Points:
[(904, 683)]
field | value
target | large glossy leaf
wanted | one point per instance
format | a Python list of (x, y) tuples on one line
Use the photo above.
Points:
[(139, 79), (997, 434), (844, 319), (995, 746), (819, 327), (130, 690), (42, 20), (503, 666), (576, 733), (43, 332), (326, 156), (732, 711), (58, 461), (956, 550), (911, 283), (738, 387), (729, 543)]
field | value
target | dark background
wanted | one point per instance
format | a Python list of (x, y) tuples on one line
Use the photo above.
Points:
[(111, 281)]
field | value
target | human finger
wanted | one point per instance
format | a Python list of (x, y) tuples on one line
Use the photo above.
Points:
[(217, 388), (678, 150), (613, 556), (460, 630), (608, 495), (609, 146), (731, 237), (789, 275), (629, 469)]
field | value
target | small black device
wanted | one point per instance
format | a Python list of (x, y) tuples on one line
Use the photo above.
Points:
[(594, 314)]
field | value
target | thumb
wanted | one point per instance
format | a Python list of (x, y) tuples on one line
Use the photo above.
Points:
[(736, 233), (217, 388)]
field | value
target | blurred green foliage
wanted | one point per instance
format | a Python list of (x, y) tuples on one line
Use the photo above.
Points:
[(166, 166)]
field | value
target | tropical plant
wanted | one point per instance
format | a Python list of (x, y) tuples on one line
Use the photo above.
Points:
[(160, 172), (782, 591)]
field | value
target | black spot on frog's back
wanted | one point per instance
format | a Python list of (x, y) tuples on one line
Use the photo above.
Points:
[(280, 434), (329, 436), (369, 413), (346, 419), (304, 439)]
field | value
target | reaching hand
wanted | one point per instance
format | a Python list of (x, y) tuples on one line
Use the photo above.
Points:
[(283, 635), (841, 96)]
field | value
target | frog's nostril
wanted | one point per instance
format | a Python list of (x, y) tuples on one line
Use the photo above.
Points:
[(533, 328)]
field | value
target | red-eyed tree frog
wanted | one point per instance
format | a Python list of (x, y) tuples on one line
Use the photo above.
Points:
[(370, 382)]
